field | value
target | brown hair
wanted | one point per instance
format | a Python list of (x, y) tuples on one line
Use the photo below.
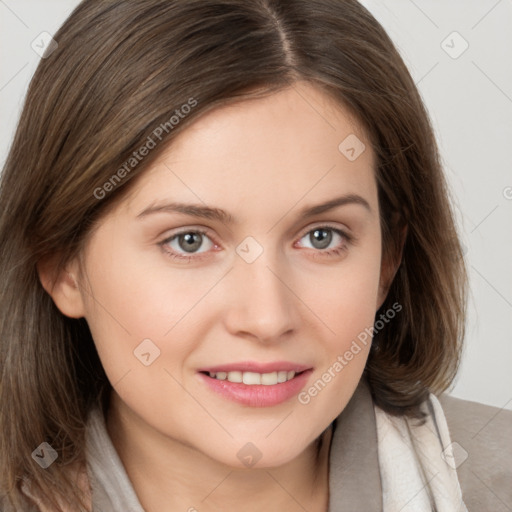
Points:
[(122, 70)]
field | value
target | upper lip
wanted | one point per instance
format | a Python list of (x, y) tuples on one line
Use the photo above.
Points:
[(253, 366)]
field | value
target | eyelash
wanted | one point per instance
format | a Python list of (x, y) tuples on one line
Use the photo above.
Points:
[(319, 252)]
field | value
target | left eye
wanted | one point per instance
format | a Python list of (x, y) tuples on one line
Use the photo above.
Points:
[(321, 237)]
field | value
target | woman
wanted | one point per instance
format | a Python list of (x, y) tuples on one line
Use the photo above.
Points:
[(230, 273)]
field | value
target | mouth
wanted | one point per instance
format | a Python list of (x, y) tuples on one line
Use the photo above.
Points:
[(256, 389)]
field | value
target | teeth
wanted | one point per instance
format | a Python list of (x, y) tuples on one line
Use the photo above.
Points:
[(234, 376), (251, 378), (268, 379), (282, 376)]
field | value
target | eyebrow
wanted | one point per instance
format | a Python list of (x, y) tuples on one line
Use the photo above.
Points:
[(207, 212)]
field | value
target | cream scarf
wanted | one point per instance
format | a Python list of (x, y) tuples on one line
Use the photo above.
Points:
[(417, 463)]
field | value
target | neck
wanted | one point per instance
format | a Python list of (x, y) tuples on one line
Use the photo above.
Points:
[(167, 474)]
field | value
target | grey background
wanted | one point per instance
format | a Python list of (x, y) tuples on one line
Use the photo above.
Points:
[(469, 97)]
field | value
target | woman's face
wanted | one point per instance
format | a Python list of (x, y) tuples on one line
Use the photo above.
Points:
[(250, 284)]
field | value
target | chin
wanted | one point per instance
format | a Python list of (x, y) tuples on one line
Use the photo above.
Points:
[(262, 452)]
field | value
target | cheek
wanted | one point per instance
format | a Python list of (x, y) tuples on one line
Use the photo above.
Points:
[(345, 297), (346, 304), (132, 297)]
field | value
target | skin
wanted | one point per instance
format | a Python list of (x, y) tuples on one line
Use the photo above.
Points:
[(262, 161)]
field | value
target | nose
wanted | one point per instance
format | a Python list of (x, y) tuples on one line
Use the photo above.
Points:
[(262, 304)]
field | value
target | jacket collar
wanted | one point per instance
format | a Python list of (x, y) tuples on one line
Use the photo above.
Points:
[(354, 475)]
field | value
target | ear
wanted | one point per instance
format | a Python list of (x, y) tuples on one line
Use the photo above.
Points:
[(389, 267), (62, 286)]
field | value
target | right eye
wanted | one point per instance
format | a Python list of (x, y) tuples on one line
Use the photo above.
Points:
[(185, 244)]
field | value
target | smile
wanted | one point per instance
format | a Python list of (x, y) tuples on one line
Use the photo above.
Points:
[(256, 389)]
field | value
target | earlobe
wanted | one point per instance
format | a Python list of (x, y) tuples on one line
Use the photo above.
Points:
[(63, 287)]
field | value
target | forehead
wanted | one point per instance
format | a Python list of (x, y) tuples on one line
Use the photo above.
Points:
[(290, 146), (300, 118)]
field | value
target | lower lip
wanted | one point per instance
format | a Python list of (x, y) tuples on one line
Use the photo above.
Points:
[(257, 395)]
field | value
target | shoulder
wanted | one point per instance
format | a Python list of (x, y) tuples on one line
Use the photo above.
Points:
[(481, 436)]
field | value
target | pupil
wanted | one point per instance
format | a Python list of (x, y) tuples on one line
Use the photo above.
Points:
[(318, 235), (193, 241)]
